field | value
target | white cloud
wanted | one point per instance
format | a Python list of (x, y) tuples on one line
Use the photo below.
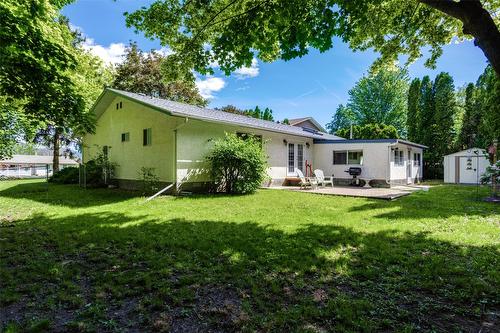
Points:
[(208, 86), (248, 72), (112, 54)]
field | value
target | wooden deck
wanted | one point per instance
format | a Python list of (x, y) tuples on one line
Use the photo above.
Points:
[(352, 191)]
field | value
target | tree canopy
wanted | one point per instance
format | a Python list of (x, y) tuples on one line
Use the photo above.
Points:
[(231, 33), (378, 98), (142, 73)]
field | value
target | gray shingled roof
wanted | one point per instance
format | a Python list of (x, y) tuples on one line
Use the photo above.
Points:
[(186, 110), (36, 159)]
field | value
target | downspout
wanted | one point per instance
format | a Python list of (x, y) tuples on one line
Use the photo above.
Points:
[(175, 152)]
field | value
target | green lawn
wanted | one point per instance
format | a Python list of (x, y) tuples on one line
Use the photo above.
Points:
[(103, 260)]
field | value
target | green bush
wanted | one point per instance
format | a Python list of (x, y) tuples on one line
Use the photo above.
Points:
[(99, 171), (237, 165), (150, 181), (65, 176)]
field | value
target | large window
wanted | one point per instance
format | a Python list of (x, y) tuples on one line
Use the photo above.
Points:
[(343, 157), (399, 158), (146, 137), (291, 157), (300, 157)]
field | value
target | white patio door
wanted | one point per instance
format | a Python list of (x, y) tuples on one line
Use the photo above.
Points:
[(295, 158), (409, 167)]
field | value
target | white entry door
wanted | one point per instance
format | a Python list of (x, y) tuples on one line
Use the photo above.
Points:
[(409, 166), (468, 170)]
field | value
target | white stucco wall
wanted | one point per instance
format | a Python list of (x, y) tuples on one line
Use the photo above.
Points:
[(195, 138), (400, 172), (374, 165)]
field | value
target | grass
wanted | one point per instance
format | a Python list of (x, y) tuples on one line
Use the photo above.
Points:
[(103, 260)]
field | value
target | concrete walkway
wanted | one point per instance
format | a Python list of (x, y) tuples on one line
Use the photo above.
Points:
[(364, 192)]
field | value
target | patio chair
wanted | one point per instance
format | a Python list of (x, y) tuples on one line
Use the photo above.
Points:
[(307, 181), (322, 180)]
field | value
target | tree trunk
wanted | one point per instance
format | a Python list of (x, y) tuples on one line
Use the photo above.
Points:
[(55, 160), (476, 22)]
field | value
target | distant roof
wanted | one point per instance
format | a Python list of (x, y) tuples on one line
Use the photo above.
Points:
[(298, 121), (36, 159), (195, 112), (409, 143)]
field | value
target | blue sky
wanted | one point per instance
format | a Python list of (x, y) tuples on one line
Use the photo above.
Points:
[(310, 86)]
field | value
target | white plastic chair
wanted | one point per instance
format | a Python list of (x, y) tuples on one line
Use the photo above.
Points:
[(306, 181), (322, 180)]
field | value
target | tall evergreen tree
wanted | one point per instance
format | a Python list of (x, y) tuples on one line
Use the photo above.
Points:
[(413, 113), (444, 115), (426, 111), (488, 97), (470, 120)]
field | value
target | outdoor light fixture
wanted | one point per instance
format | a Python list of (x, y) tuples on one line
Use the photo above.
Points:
[(285, 142), (307, 145)]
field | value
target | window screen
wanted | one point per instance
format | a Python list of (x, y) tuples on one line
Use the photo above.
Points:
[(146, 137), (339, 157)]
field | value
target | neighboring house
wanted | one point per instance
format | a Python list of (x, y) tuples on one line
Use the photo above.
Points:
[(466, 166), (307, 122), (173, 138), (21, 166)]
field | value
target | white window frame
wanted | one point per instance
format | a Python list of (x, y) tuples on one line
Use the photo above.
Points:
[(296, 146), (347, 151), (399, 157)]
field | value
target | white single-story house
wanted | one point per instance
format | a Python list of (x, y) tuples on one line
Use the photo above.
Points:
[(137, 131), (466, 166), (21, 166)]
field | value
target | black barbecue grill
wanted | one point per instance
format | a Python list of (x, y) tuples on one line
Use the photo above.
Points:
[(354, 172)]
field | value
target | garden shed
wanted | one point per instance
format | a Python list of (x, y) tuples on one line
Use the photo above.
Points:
[(466, 166)]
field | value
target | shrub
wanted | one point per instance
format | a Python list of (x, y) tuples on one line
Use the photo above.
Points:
[(65, 176), (99, 171), (150, 181), (237, 165)]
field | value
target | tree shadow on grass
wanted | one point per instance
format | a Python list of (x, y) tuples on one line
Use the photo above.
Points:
[(111, 271), (439, 202), (66, 195)]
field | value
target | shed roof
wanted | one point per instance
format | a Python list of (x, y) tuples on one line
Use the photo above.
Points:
[(37, 159), (469, 152), (195, 112)]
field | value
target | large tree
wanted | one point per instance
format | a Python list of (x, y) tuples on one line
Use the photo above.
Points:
[(380, 98), (141, 73), (470, 120), (413, 112), (231, 33), (342, 118), (445, 109)]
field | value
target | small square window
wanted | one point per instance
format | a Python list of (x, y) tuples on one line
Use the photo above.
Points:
[(125, 137), (146, 137)]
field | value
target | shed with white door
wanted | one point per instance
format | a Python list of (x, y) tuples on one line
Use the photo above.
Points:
[(466, 166)]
